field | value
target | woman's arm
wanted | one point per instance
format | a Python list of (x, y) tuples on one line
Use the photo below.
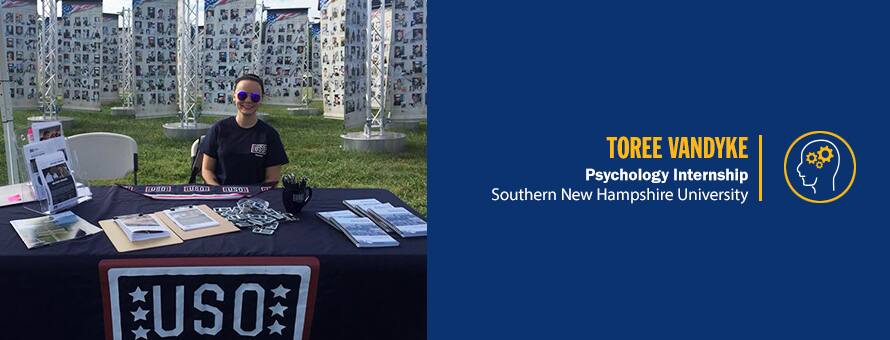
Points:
[(208, 167), (273, 175)]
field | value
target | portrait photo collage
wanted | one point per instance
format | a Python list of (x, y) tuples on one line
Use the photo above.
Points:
[(80, 55), (228, 44), (110, 58), (154, 57), (285, 49), (408, 61), (344, 77), (20, 32)]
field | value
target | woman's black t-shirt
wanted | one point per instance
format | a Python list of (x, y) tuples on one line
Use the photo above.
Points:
[(242, 155)]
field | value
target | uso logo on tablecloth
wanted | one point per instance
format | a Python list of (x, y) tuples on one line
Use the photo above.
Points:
[(212, 298)]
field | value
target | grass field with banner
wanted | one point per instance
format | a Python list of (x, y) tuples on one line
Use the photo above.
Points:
[(312, 144)]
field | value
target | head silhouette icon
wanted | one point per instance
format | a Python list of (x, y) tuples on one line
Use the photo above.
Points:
[(819, 163)]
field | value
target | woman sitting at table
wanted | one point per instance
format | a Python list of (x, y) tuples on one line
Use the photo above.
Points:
[(243, 150)]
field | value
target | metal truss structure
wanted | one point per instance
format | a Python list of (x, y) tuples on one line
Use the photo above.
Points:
[(188, 55), (258, 28), (306, 67), (376, 118), (125, 63), (47, 67)]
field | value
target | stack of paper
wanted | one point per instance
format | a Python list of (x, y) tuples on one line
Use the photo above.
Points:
[(360, 206), (360, 230), (190, 218), (393, 219), (140, 227), (400, 220)]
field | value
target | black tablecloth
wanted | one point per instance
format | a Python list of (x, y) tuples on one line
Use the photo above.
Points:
[(54, 292)]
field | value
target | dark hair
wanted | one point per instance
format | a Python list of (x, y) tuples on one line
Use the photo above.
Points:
[(251, 77)]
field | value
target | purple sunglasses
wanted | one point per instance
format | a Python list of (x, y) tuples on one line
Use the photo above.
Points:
[(255, 97)]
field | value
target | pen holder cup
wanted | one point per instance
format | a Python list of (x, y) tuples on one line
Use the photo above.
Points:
[(295, 200)]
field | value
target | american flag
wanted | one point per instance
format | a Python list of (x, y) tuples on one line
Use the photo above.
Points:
[(68, 9), (15, 3), (316, 29), (273, 17), (209, 4)]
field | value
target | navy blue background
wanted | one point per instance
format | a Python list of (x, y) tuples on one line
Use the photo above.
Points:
[(523, 94)]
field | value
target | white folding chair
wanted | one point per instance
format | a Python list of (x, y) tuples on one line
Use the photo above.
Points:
[(197, 159), (104, 155)]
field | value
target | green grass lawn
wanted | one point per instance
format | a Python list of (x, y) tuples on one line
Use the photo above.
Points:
[(312, 144)]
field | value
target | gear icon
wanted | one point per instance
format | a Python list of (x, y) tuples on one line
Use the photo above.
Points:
[(811, 158), (822, 154), (819, 165)]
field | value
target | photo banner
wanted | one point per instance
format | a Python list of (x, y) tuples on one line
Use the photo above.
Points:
[(284, 51), (316, 61), (228, 42), (20, 36), (154, 57), (344, 73), (80, 56), (110, 57), (407, 65)]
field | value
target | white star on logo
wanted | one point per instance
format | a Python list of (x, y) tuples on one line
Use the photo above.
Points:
[(278, 309), (141, 333), (138, 294), (275, 328), (139, 314), (280, 292)]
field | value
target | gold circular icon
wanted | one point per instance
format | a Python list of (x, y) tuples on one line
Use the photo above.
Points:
[(852, 156)]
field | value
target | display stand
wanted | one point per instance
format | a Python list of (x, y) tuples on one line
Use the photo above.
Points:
[(154, 27), (47, 68), (344, 33), (110, 59), (374, 137), (188, 75), (125, 66), (80, 57), (406, 64)]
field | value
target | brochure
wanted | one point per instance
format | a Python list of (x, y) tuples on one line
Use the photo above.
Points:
[(57, 181), (363, 232), (45, 230), (45, 131), (400, 220), (190, 218), (32, 151), (358, 205), (140, 227)]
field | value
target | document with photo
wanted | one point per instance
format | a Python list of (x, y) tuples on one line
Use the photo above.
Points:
[(190, 218), (45, 230), (32, 151), (45, 131), (61, 190), (140, 227)]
